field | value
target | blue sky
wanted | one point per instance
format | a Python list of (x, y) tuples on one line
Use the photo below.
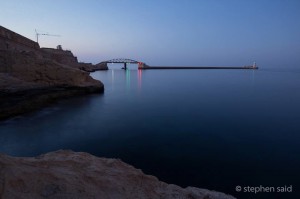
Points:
[(165, 32)]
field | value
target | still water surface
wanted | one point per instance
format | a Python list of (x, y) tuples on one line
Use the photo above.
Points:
[(214, 129)]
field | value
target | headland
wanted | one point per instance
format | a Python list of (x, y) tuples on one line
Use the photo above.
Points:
[(32, 77)]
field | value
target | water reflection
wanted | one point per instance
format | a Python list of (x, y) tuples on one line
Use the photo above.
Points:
[(203, 118), (139, 78), (128, 79), (116, 77), (253, 77), (112, 78)]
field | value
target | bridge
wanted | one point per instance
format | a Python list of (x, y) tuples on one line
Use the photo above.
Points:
[(125, 62), (142, 65)]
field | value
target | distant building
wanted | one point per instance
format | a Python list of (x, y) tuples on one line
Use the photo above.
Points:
[(254, 65)]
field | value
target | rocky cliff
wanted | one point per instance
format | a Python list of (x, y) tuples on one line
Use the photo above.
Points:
[(67, 174), (91, 67), (66, 57), (28, 81)]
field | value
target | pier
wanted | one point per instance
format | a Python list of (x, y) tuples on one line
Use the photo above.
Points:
[(198, 67), (144, 66)]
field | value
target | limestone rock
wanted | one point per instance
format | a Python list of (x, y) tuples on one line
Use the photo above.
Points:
[(67, 174), (101, 66), (29, 81), (31, 77), (29, 67), (89, 67)]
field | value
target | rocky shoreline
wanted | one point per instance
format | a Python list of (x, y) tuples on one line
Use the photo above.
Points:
[(29, 81), (31, 78), (67, 174), (16, 103)]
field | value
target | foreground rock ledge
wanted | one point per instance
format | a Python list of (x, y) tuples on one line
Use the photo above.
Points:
[(68, 174)]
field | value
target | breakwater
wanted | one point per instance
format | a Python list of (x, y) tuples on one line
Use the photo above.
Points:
[(199, 67)]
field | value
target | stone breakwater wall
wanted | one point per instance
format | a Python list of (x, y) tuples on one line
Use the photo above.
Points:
[(10, 40), (68, 175)]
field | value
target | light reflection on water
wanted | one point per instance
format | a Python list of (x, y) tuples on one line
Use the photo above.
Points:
[(140, 78), (128, 79)]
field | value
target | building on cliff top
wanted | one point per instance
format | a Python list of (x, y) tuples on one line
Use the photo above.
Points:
[(10, 40)]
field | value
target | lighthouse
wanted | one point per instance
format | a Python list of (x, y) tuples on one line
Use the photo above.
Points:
[(254, 65)]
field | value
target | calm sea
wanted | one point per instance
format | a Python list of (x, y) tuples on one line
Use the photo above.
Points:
[(215, 129)]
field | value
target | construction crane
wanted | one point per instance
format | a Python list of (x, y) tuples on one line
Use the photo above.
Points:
[(47, 34)]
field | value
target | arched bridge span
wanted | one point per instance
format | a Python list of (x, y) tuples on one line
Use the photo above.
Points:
[(125, 61)]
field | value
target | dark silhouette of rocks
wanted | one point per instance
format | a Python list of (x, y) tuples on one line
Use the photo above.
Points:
[(66, 57), (69, 175), (31, 77), (28, 82)]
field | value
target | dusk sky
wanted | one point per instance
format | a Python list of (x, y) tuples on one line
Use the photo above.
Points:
[(164, 32)]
